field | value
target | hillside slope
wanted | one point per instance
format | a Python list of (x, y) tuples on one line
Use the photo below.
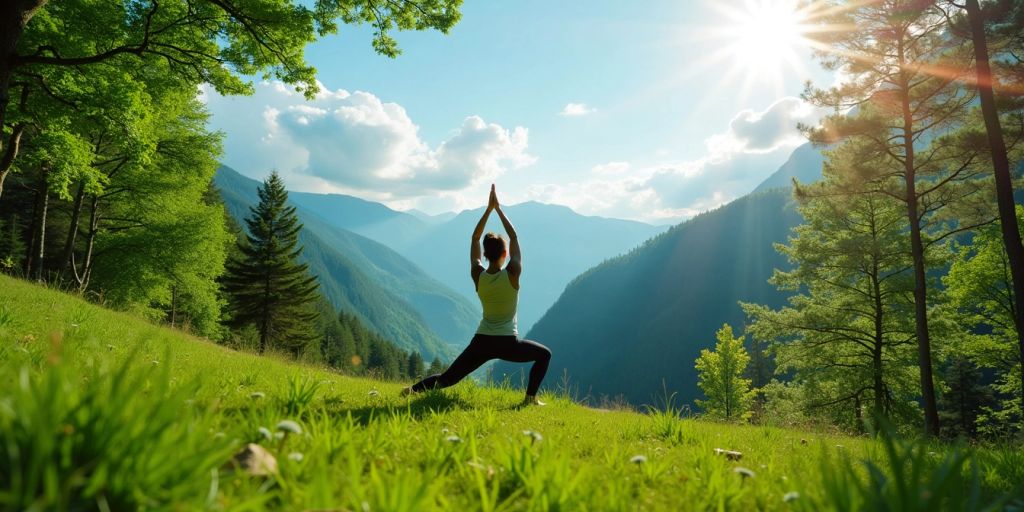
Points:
[(633, 322), (391, 294), (127, 415)]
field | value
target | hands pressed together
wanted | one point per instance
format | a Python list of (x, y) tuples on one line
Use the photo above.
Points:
[(492, 202)]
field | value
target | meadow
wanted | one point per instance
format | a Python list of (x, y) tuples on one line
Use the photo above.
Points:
[(100, 410)]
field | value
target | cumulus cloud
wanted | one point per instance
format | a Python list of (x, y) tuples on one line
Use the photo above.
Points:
[(357, 143), (766, 131), (576, 110)]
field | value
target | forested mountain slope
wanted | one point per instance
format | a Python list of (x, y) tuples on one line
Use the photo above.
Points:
[(388, 292), (632, 322)]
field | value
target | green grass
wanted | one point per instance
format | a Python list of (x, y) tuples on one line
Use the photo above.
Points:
[(100, 410)]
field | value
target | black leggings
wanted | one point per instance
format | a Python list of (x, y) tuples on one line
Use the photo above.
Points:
[(485, 347)]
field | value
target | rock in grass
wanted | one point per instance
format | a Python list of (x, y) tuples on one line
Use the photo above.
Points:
[(729, 454), (256, 460)]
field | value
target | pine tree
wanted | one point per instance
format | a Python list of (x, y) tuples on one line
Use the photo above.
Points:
[(415, 367), (436, 366), (962, 404), (720, 375), (267, 287)]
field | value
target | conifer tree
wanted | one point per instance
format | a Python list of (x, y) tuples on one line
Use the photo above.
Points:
[(415, 367), (720, 375), (267, 287)]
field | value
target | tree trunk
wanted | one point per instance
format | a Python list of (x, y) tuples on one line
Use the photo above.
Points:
[(69, 243), (924, 346), (41, 254), (1003, 178), (14, 16), (90, 243)]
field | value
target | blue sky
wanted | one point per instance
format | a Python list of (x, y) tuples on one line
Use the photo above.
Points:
[(608, 107)]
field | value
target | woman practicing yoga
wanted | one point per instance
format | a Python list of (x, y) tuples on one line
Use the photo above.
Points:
[(498, 289)]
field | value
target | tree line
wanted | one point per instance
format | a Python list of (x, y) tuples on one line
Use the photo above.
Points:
[(106, 161), (908, 272)]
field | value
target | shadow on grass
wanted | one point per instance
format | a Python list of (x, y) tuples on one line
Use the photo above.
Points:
[(418, 406)]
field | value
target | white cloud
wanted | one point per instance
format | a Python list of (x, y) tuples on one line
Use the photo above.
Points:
[(753, 146), (576, 110), (609, 168), (357, 143), (768, 130)]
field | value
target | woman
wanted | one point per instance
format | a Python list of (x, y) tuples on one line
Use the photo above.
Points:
[(498, 289)]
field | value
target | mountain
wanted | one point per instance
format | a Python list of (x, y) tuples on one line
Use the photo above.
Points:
[(631, 323), (389, 293), (635, 321), (804, 164), (557, 242)]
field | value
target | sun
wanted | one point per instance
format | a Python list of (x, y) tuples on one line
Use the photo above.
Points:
[(760, 40), (765, 34)]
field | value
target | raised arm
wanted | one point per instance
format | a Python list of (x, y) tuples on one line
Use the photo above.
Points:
[(515, 255), (475, 265)]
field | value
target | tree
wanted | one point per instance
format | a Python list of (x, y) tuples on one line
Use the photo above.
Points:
[(905, 84), (267, 286), (1001, 21), (980, 286), (720, 376), (217, 42), (965, 399), (436, 366), (845, 331), (414, 369)]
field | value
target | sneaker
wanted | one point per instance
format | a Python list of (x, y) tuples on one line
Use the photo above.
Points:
[(407, 391), (532, 400)]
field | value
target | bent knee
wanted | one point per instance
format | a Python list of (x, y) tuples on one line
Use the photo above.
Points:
[(544, 354)]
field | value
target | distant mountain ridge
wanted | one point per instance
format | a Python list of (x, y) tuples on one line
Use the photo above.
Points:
[(557, 242), (388, 292)]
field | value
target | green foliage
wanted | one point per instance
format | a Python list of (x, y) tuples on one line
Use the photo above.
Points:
[(848, 329), (267, 287), (364, 446), (720, 375), (979, 288)]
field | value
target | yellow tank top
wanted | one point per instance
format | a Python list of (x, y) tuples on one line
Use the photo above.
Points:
[(499, 301)]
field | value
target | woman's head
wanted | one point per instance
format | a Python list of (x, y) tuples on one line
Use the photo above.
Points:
[(494, 247)]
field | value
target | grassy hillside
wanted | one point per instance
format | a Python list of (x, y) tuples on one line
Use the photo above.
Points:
[(634, 322), (388, 292), (100, 410)]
